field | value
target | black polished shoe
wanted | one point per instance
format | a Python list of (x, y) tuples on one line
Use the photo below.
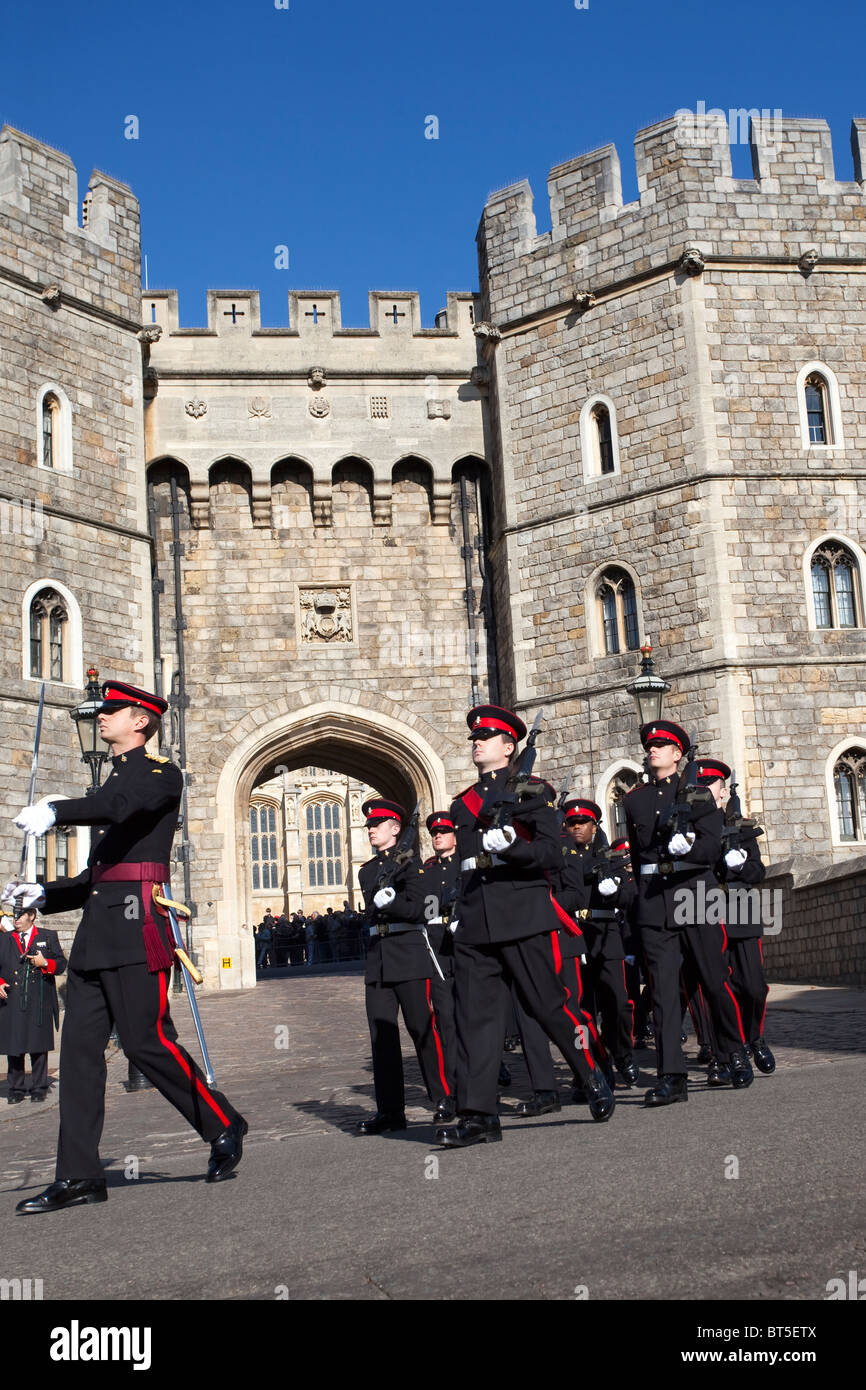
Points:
[(36, 1096), (705, 1055), (718, 1073), (764, 1059), (542, 1103), (512, 1042), (504, 1078), (382, 1124), (741, 1071), (227, 1150), (669, 1089), (446, 1111), (71, 1192), (470, 1129), (14, 1100), (628, 1071), (599, 1097), (645, 1041)]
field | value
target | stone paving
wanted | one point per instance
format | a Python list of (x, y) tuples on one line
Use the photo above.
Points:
[(636, 1208)]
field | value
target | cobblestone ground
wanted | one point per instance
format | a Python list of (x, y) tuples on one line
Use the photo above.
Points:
[(318, 1210)]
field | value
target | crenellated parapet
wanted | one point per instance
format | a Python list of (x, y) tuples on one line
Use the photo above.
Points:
[(687, 198), (85, 253), (315, 392)]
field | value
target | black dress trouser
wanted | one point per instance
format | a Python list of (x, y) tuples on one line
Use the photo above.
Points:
[(749, 983), (38, 1074), (605, 995), (137, 1001), (704, 947), (483, 974), (417, 1000)]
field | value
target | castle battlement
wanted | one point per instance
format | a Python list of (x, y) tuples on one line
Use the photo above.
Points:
[(235, 339), (96, 259), (687, 197)]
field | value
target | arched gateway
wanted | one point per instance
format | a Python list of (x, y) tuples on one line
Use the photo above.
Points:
[(354, 732)]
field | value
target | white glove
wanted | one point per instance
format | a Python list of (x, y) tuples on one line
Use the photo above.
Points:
[(735, 857), (27, 894), (681, 844), (453, 925), (36, 819), (608, 886), (495, 841), (384, 897)]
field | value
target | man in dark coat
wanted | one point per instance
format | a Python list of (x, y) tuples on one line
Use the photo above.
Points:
[(507, 930), (120, 962), (398, 974), (674, 871), (30, 960)]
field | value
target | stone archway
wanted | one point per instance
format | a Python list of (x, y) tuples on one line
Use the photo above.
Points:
[(383, 744)]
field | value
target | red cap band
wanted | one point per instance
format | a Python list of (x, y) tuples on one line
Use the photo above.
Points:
[(121, 697)]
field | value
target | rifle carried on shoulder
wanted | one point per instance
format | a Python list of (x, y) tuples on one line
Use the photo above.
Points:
[(501, 803), (690, 800), (403, 852), (739, 829)]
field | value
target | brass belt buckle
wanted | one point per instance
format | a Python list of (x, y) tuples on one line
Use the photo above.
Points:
[(483, 860), (583, 914), (665, 866), (382, 928)]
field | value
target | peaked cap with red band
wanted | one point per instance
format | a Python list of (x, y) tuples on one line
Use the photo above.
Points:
[(620, 844), (576, 810), (487, 720), (378, 809), (665, 731), (117, 694), (710, 769), (440, 820)]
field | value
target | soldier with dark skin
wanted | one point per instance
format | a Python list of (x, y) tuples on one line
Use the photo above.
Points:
[(398, 975), (669, 866), (508, 922), (598, 893), (121, 959)]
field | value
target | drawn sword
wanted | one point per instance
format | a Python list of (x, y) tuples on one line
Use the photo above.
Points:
[(188, 970), (34, 766)]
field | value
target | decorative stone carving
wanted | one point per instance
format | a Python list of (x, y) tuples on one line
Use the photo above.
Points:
[(583, 300), (326, 614), (438, 410), (51, 296), (291, 809), (808, 260), (487, 331), (316, 378), (149, 333), (196, 408), (355, 807), (319, 407), (149, 383), (259, 407), (692, 261), (480, 377)]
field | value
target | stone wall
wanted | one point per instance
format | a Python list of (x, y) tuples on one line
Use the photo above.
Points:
[(823, 936)]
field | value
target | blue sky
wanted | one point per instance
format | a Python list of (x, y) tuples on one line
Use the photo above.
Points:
[(305, 126)]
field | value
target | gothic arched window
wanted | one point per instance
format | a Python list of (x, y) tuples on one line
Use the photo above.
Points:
[(48, 620), (817, 412), (598, 438), (836, 593), (849, 781), (50, 422), (264, 846), (324, 845), (617, 600)]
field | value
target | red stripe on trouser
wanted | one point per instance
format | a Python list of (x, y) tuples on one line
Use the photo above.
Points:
[(439, 1055), (767, 995), (630, 1004), (178, 1056), (579, 1028), (737, 1008)]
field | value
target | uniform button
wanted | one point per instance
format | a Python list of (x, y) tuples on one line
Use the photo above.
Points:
[(95, 893)]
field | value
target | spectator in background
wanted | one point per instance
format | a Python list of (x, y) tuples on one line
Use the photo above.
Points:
[(310, 933), (264, 944), (282, 939)]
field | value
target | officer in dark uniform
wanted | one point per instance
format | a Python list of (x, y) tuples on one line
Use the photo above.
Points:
[(507, 928), (668, 868), (31, 958), (398, 975), (598, 893), (741, 866), (121, 958)]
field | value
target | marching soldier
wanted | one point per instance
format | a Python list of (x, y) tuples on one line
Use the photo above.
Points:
[(668, 867), (31, 959), (741, 865), (508, 922), (121, 960), (398, 976)]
